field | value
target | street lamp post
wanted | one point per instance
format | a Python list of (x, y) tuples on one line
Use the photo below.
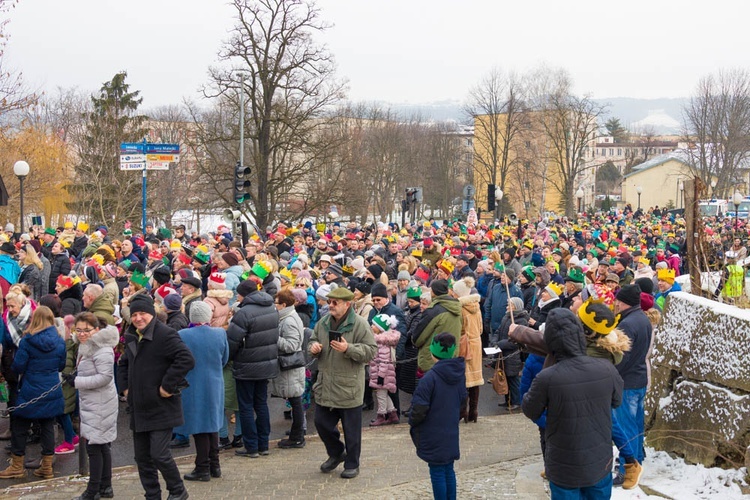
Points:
[(21, 169), (736, 200), (579, 195), (681, 185), (639, 190)]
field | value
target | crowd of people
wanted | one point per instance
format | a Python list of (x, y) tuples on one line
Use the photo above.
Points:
[(193, 332)]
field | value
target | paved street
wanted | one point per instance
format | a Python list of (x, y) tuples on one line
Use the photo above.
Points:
[(499, 458)]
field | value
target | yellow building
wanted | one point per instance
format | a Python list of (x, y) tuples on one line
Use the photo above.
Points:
[(660, 181), (527, 188)]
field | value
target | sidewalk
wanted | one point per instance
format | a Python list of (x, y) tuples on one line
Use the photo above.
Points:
[(500, 458)]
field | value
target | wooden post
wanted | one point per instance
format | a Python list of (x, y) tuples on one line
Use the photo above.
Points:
[(693, 229)]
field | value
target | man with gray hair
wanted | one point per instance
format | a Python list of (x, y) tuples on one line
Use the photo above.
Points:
[(95, 302)]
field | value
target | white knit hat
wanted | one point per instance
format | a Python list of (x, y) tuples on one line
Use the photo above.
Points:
[(462, 288)]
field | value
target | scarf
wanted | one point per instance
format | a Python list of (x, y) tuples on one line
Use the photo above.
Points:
[(16, 325)]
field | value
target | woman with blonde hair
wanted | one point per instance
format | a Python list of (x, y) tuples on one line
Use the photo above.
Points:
[(39, 359), (31, 271)]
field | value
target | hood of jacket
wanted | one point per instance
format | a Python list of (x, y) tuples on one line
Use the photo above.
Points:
[(258, 298), (74, 292), (451, 371), (470, 303), (563, 335), (106, 337), (221, 296), (523, 314), (450, 304), (45, 340)]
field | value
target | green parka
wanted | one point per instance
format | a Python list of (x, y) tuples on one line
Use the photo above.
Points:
[(341, 375)]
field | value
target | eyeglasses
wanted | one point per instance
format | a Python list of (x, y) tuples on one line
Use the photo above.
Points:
[(333, 303), (79, 330), (300, 286)]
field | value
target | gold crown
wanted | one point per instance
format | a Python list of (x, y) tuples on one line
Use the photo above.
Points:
[(595, 323), (556, 288), (666, 275), (447, 266)]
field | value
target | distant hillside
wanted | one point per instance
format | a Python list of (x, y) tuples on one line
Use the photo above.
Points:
[(665, 115)]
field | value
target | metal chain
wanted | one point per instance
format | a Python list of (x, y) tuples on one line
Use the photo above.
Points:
[(36, 399)]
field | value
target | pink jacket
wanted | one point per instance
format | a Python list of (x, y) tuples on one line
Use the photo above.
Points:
[(382, 365), (218, 300)]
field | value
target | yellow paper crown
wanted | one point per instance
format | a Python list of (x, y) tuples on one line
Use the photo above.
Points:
[(82, 226), (556, 288), (175, 245), (666, 275), (595, 323), (68, 225), (98, 258), (447, 266)]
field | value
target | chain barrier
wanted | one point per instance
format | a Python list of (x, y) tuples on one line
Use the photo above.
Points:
[(36, 399)]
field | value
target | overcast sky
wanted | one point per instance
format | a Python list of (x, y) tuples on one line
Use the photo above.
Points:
[(393, 50)]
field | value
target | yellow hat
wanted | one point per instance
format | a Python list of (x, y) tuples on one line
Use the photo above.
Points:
[(175, 245), (446, 266), (82, 226), (98, 258), (68, 225), (594, 322), (417, 253), (666, 275), (64, 243)]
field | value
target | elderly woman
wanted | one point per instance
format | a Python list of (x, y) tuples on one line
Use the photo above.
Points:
[(39, 359), (16, 317), (290, 383)]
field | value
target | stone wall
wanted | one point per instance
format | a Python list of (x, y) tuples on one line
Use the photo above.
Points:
[(698, 405)]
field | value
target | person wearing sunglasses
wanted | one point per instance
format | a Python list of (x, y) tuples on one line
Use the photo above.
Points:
[(344, 345)]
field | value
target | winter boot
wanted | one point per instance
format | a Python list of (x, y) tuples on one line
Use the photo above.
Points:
[(15, 470), (393, 417), (45, 469), (464, 415), (632, 475), (379, 420), (473, 404)]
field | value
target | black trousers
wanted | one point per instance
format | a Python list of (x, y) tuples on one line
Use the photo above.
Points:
[(19, 430), (326, 423), (152, 456), (297, 433), (100, 466), (206, 451)]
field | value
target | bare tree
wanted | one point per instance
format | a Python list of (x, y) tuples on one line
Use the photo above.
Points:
[(445, 180), (717, 123), (570, 125), (497, 105), (288, 83)]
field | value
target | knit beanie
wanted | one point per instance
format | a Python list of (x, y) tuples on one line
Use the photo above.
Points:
[(645, 284), (375, 270), (462, 288), (511, 274), (162, 275), (200, 312), (439, 287), (300, 296), (517, 303), (142, 303), (403, 275), (172, 302), (247, 287), (322, 292), (230, 259), (364, 287), (384, 322), (379, 290), (630, 295)]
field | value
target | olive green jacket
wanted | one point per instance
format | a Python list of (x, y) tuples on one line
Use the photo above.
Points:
[(443, 315), (341, 375)]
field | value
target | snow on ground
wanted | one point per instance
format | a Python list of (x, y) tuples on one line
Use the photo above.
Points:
[(676, 479)]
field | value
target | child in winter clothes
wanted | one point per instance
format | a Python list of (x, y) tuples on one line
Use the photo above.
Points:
[(434, 417), (218, 298), (382, 369)]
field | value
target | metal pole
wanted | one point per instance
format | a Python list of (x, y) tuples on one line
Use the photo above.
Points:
[(143, 193), (242, 119), (83, 462), (20, 179)]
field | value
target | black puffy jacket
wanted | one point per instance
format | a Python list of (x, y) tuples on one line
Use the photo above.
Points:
[(253, 334), (60, 265), (578, 392)]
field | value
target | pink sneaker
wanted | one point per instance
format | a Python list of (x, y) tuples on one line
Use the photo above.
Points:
[(65, 448), (75, 441)]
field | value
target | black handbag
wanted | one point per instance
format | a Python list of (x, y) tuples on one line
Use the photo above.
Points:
[(289, 361)]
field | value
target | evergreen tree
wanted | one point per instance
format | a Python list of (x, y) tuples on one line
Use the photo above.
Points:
[(102, 192)]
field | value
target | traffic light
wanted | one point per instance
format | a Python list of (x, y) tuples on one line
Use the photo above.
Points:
[(241, 183), (490, 197)]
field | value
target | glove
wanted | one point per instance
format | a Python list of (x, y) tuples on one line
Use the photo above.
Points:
[(70, 379), (381, 381)]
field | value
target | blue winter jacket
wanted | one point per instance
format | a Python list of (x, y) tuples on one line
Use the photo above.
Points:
[(496, 304), (39, 360), (436, 406), (532, 367)]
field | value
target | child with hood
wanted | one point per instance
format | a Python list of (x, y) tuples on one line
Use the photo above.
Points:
[(382, 368)]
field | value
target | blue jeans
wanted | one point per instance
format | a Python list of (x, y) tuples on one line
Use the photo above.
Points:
[(443, 479), (630, 416), (252, 396), (224, 431), (600, 491), (621, 440), (67, 425)]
